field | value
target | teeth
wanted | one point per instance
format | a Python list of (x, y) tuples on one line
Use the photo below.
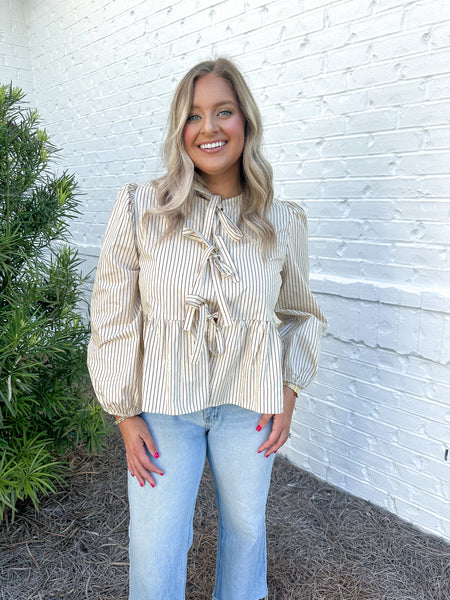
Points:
[(213, 145)]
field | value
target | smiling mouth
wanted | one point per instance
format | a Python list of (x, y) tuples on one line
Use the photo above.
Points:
[(211, 145)]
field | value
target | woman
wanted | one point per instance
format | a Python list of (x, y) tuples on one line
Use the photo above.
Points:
[(203, 331)]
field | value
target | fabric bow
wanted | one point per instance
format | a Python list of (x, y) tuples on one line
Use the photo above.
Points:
[(217, 257)]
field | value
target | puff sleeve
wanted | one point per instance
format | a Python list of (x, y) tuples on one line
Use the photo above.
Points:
[(115, 348), (302, 322)]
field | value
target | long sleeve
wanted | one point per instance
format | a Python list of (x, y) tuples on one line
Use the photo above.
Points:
[(115, 349), (302, 322)]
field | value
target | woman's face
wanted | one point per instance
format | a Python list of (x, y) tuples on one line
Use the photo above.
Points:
[(214, 134)]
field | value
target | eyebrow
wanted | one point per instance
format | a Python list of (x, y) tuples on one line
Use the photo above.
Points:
[(225, 102)]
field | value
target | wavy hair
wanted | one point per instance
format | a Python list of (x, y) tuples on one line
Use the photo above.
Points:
[(175, 190)]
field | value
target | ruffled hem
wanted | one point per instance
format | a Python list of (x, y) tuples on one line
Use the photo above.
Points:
[(247, 373)]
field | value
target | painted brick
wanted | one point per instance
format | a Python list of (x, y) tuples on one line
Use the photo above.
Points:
[(394, 94), (419, 13), (375, 120), (317, 86), (342, 146), (434, 523), (437, 113), (438, 87)]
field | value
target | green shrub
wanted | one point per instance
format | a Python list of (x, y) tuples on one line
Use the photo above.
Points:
[(43, 374)]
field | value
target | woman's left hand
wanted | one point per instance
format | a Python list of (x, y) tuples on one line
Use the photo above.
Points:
[(281, 424)]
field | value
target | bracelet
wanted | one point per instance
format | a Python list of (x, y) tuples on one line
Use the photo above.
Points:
[(293, 387), (119, 420)]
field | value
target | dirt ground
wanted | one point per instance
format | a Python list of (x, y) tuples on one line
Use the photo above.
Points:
[(323, 544)]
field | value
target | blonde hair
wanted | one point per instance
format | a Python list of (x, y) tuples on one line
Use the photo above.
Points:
[(176, 189)]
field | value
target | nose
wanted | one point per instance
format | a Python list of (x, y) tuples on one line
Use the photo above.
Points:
[(209, 123)]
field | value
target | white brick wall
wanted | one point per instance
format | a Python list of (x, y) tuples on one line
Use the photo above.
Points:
[(355, 100), (15, 58)]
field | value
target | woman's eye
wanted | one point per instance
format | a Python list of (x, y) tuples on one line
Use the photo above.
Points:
[(225, 113), (193, 118)]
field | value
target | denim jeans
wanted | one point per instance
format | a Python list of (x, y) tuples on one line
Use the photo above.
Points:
[(161, 528)]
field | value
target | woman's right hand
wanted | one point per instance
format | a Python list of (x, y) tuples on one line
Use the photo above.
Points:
[(136, 437)]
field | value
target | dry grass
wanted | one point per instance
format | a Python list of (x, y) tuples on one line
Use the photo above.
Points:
[(323, 544)]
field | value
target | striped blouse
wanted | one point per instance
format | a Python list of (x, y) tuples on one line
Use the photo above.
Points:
[(199, 318)]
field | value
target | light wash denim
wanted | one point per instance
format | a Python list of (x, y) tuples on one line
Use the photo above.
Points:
[(161, 528)]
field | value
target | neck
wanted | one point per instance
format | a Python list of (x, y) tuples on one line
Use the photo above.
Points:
[(224, 186)]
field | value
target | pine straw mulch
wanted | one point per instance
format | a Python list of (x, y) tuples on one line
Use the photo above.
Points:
[(323, 544)]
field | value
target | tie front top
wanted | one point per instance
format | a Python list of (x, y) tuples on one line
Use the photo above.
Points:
[(215, 256), (200, 317)]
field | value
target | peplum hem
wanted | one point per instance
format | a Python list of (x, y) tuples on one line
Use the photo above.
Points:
[(247, 372)]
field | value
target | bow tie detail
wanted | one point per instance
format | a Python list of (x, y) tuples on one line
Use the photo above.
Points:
[(218, 259)]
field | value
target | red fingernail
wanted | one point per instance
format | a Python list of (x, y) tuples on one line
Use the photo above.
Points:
[(156, 455), (132, 474), (152, 484), (258, 428), (259, 451), (141, 483)]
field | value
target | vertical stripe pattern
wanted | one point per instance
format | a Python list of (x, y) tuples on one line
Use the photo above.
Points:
[(200, 318)]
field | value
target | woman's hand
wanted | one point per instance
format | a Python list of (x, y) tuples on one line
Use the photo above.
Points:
[(281, 424), (136, 437)]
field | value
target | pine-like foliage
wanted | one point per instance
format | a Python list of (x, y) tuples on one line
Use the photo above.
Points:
[(43, 376)]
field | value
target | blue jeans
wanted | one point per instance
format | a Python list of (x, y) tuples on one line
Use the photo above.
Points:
[(161, 528)]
